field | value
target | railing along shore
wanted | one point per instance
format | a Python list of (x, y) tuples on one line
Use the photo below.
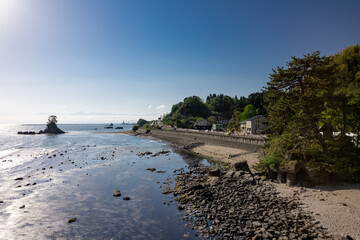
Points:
[(248, 138)]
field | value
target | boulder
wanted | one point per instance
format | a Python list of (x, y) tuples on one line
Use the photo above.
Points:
[(116, 193), (215, 173), (242, 166), (52, 128)]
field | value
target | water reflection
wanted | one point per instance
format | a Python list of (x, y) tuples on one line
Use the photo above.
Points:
[(84, 187)]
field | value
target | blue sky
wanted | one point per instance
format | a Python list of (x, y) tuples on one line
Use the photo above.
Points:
[(93, 61)]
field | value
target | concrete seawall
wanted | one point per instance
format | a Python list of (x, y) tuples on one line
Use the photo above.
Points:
[(184, 138)]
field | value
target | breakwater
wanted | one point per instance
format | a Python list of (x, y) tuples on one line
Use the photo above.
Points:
[(184, 138)]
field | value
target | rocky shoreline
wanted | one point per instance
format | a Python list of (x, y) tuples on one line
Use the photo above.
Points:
[(340, 223), (235, 204)]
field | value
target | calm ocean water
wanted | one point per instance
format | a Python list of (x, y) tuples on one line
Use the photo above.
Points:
[(22, 148), (75, 174)]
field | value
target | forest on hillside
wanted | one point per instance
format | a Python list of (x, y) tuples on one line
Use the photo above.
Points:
[(216, 108), (312, 107)]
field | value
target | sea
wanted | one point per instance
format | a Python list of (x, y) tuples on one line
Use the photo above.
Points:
[(45, 180)]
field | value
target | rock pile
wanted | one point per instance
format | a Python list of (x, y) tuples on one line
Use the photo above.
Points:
[(144, 154), (238, 205), (159, 153)]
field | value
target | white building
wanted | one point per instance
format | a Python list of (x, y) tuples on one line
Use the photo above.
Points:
[(254, 125)]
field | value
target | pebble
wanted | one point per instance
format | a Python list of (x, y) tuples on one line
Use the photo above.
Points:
[(241, 206)]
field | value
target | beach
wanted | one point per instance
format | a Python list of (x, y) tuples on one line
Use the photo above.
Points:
[(64, 187), (336, 207)]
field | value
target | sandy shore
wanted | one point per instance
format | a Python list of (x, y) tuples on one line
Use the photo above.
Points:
[(337, 208)]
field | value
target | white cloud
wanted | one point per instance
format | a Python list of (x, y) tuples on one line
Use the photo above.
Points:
[(161, 107), (150, 106)]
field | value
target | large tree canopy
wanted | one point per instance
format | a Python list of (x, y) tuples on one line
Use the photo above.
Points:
[(221, 104), (217, 107), (312, 97)]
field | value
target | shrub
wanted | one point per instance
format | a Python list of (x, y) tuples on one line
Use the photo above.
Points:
[(141, 122), (135, 128)]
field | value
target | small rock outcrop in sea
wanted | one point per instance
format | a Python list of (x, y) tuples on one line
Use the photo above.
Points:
[(238, 205), (51, 128), (116, 193), (72, 220), (27, 133)]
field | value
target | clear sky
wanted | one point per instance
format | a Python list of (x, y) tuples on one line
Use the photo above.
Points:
[(90, 61)]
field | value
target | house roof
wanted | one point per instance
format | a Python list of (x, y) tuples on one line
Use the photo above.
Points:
[(253, 118), (202, 122)]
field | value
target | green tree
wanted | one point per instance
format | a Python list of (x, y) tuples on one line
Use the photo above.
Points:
[(135, 128), (141, 122), (309, 98), (249, 112), (234, 122), (192, 107), (347, 94), (222, 105), (257, 100), (294, 107), (240, 103), (238, 116), (212, 119), (52, 120)]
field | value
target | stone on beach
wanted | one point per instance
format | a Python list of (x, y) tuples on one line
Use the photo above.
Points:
[(144, 153), (159, 153), (116, 193), (215, 173), (151, 169), (240, 206)]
